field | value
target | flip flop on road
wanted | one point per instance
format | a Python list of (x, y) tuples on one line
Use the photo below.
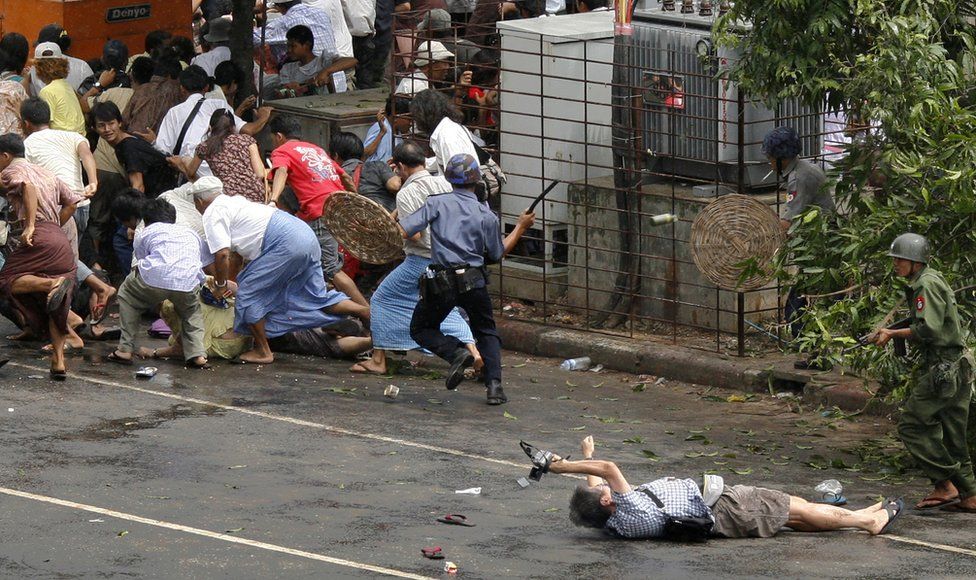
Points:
[(114, 357), (930, 503), (958, 509), (455, 520), (433, 552), (56, 297), (894, 507)]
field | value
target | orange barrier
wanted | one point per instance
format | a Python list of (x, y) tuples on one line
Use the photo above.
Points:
[(90, 23)]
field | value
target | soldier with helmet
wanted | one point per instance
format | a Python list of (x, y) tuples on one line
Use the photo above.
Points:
[(934, 419), (464, 237)]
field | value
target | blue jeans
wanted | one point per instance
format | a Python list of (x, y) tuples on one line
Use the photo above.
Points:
[(81, 219)]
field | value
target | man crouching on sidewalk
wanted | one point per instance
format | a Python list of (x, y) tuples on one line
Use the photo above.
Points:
[(608, 502)]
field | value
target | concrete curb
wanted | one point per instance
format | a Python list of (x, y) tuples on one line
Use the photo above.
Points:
[(851, 394)]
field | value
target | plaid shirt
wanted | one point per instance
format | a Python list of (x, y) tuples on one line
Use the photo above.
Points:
[(316, 20), (637, 516)]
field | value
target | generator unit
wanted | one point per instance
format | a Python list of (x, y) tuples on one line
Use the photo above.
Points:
[(690, 118)]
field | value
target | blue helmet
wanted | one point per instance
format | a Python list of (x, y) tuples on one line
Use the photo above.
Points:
[(462, 169), (782, 143)]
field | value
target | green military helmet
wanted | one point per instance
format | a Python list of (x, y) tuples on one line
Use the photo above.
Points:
[(912, 247)]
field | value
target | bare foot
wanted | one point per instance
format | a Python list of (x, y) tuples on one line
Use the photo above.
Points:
[(54, 287), (70, 343), (368, 367), (871, 509), (257, 357), (881, 519), (943, 493), (21, 336)]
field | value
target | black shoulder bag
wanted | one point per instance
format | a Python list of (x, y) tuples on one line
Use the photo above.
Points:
[(682, 529), (186, 125)]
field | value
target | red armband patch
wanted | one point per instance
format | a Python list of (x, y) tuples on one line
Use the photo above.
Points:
[(920, 303)]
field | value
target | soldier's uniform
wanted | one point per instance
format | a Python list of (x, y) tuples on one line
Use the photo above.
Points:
[(934, 420)]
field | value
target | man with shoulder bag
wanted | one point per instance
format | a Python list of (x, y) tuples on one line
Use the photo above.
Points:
[(682, 510)]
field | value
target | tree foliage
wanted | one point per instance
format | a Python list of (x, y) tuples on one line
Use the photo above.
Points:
[(904, 68)]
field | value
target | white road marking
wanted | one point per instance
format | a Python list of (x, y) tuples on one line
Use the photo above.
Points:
[(934, 546), (404, 442), (300, 422), (213, 535)]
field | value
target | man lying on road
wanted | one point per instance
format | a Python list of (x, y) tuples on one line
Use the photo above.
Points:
[(608, 502)]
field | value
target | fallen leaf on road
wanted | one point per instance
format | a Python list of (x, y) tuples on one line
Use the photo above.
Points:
[(122, 533), (435, 401), (580, 428), (563, 398), (798, 446), (232, 530), (550, 510), (639, 388), (648, 454), (638, 439), (508, 415), (571, 384), (237, 467), (745, 471), (598, 385), (736, 399)]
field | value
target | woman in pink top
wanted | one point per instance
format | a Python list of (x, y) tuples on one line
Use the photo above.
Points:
[(233, 158)]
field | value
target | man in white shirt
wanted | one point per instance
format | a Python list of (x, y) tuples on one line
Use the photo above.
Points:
[(195, 113), (281, 289), (78, 70), (432, 63), (63, 153), (217, 37)]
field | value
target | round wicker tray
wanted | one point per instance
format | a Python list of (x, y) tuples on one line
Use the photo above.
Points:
[(731, 230), (363, 227)]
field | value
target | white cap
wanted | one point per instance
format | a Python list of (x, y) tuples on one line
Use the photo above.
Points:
[(430, 51), (48, 50), (207, 183)]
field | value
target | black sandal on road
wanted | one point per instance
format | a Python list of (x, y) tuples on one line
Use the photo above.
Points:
[(894, 509), (57, 296), (114, 357), (59, 375)]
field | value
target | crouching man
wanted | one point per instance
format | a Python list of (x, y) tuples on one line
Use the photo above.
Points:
[(607, 501)]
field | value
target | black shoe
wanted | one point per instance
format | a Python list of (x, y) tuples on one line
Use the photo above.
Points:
[(496, 395), (462, 360)]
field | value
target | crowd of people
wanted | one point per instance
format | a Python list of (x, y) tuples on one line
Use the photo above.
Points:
[(152, 185)]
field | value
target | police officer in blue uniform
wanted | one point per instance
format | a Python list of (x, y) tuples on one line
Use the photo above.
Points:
[(465, 236)]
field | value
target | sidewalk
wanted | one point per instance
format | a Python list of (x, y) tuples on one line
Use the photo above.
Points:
[(770, 373)]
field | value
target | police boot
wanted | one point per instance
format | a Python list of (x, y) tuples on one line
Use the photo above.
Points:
[(461, 360), (496, 395)]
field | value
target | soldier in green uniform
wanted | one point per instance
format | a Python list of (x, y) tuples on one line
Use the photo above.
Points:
[(934, 420)]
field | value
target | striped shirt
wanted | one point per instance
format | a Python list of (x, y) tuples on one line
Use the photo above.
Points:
[(171, 257)]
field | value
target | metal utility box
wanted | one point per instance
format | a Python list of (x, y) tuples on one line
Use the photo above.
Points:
[(690, 118), (90, 23), (555, 113), (323, 115)]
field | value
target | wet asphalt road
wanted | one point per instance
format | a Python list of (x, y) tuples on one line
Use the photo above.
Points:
[(321, 476)]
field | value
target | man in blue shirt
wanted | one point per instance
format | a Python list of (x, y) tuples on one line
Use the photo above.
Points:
[(607, 501), (465, 236)]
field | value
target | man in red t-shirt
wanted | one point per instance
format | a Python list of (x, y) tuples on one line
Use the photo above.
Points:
[(312, 176)]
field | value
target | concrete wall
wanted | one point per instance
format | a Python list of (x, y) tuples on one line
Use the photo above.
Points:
[(680, 292)]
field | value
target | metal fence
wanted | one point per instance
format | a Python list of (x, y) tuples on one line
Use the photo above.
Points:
[(664, 134)]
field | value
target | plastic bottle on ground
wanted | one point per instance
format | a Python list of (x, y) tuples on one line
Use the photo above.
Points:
[(576, 364)]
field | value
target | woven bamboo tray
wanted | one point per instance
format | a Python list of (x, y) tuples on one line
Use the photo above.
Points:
[(731, 230)]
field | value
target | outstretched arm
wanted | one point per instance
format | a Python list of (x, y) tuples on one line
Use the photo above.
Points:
[(606, 470), (525, 222)]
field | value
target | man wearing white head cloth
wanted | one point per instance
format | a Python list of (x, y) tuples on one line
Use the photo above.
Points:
[(281, 288)]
